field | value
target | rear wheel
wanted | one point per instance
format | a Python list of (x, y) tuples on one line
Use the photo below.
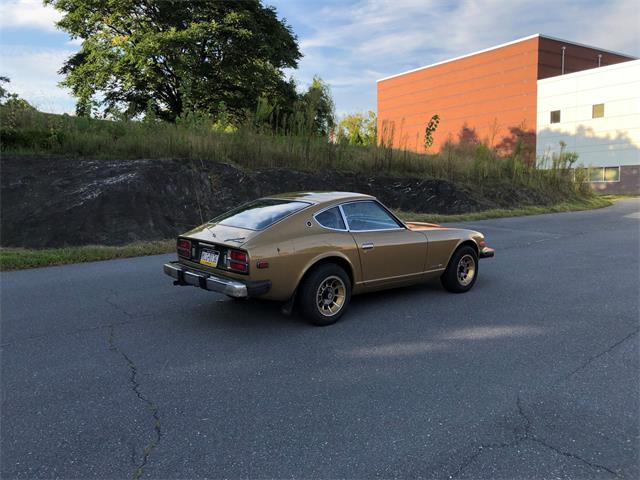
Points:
[(324, 294), (462, 271)]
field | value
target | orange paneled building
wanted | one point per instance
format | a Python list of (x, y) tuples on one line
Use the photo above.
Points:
[(490, 94)]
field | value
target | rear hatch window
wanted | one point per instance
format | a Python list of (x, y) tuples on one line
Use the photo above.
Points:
[(259, 214)]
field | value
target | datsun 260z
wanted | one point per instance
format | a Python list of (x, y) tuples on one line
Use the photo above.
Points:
[(317, 249)]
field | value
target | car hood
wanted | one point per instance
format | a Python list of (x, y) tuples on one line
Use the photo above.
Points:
[(424, 226), (221, 234)]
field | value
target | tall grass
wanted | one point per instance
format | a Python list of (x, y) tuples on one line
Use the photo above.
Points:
[(25, 130)]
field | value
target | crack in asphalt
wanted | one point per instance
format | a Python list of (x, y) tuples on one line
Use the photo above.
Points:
[(463, 466), (534, 438), (604, 352), (135, 386), (116, 306), (76, 331), (524, 437)]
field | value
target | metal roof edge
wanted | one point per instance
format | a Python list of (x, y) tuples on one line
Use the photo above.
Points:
[(495, 47)]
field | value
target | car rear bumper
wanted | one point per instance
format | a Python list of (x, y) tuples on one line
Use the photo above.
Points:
[(184, 275), (486, 252)]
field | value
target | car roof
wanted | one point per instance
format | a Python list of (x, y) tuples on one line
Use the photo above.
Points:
[(322, 197)]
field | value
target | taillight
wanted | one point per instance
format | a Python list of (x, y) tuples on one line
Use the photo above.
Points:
[(238, 261), (184, 247), (238, 256), (240, 267)]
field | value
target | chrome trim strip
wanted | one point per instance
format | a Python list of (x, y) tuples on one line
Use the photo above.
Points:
[(435, 270), (380, 230), (344, 217), (399, 277), (369, 282)]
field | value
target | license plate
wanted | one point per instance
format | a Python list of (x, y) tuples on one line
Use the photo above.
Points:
[(209, 258)]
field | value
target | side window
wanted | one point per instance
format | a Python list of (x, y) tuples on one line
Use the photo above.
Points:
[(555, 116), (331, 218), (368, 216)]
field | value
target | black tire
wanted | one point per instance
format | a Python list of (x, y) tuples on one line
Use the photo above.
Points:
[(463, 263), (333, 283)]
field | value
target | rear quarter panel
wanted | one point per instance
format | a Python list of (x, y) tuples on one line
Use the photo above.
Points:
[(292, 247)]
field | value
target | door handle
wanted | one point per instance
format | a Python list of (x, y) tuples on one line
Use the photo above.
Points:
[(367, 246)]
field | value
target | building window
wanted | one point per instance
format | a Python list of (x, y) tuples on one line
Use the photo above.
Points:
[(555, 116), (611, 174), (604, 174), (597, 110), (596, 174)]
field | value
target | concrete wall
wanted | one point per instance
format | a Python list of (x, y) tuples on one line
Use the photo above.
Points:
[(611, 140)]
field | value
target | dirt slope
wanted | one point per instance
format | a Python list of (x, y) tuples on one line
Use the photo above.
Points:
[(53, 201)]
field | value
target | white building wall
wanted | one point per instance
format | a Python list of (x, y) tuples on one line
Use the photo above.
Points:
[(613, 140)]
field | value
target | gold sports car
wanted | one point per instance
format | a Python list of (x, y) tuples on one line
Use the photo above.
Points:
[(316, 249)]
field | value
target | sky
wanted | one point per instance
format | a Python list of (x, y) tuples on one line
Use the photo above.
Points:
[(348, 43)]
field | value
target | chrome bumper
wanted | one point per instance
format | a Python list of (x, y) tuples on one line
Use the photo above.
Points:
[(187, 276), (486, 252)]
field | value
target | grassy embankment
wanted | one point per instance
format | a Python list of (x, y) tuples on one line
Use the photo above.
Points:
[(27, 131), (570, 206), (20, 258)]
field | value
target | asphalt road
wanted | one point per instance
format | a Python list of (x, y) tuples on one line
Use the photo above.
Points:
[(109, 371)]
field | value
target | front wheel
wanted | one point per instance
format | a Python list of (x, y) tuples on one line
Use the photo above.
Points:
[(324, 294), (462, 271)]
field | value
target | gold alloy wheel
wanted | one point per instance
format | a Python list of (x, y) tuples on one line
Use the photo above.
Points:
[(330, 296), (466, 270)]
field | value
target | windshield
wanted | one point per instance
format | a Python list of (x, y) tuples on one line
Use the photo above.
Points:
[(259, 214)]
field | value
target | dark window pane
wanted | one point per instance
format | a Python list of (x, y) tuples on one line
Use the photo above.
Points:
[(259, 214), (597, 111), (555, 116), (596, 174), (331, 219), (612, 174), (368, 216)]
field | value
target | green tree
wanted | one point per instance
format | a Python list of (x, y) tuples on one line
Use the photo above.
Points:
[(12, 100), (3, 91), (176, 56), (358, 129), (318, 108)]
